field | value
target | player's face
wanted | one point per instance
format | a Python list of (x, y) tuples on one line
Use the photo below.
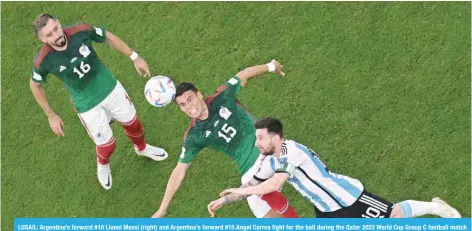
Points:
[(191, 103), (53, 34), (265, 142)]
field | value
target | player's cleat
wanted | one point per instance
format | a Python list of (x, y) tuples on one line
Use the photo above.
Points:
[(104, 175), (155, 153), (446, 210)]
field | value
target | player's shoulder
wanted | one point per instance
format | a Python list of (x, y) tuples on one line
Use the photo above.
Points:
[(289, 147), (41, 55), (190, 129), (76, 28), (210, 99)]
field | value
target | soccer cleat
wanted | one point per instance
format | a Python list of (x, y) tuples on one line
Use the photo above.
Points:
[(155, 153), (446, 210), (104, 175)]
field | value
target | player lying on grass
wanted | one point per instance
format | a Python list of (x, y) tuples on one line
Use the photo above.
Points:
[(333, 195), (219, 122), (97, 96)]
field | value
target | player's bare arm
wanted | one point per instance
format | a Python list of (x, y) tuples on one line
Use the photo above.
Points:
[(271, 185), (119, 45), (254, 71), (217, 204), (175, 180), (55, 122)]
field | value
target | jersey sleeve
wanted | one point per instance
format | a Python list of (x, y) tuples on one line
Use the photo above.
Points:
[(39, 73), (267, 168), (98, 34), (189, 152), (231, 88), (290, 159)]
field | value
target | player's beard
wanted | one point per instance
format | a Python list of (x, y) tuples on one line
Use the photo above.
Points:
[(61, 41), (268, 151)]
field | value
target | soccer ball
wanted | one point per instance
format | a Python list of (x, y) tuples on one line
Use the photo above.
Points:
[(159, 91)]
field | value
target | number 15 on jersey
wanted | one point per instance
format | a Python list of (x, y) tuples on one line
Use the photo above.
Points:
[(228, 133)]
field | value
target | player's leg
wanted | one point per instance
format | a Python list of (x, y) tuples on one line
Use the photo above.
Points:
[(279, 204), (413, 208), (261, 208), (367, 205), (96, 122), (122, 109)]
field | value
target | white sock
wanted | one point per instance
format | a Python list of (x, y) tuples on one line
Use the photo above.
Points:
[(411, 208)]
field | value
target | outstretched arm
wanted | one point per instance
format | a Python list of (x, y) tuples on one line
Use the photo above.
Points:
[(175, 180), (268, 186), (119, 45), (254, 71), (217, 204)]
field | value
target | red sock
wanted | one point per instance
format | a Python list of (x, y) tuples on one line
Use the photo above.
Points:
[(279, 204), (104, 151), (135, 132)]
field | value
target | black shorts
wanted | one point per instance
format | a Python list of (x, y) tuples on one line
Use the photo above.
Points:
[(367, 205)]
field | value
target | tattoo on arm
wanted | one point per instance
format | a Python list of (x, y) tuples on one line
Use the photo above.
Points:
[(234, 197)]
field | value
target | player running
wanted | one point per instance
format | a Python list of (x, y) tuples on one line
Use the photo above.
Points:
[(333, 195), (219, 122), (96, 95)]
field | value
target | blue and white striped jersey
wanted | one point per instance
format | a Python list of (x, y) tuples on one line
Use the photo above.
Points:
[(309, 175)]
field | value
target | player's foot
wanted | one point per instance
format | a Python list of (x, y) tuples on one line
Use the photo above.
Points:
[(104, 175), (446, 210), (155, 153)]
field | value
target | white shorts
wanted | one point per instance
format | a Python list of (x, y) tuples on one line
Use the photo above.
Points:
[(258, 206), (116, 106)]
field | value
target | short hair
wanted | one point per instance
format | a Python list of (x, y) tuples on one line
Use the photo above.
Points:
[(184, 87), (273, 125), (41, 22)]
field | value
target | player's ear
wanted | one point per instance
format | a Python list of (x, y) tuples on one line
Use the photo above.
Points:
[(199, 94)]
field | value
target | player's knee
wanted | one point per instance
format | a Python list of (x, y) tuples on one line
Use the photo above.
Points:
[(272, 214), (399, 210)]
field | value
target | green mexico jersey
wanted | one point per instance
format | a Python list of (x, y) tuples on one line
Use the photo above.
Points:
[(229, 128), (84, 76)]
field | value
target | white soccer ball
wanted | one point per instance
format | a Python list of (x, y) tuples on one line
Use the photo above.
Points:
[(159, 91)]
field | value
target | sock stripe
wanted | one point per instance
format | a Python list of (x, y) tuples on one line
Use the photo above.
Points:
[(130, 122), (406, 209)]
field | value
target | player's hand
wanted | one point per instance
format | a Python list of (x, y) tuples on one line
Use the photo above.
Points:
[(215, 205), (56, 124), (278, 68), (141, 66), (159, 214)]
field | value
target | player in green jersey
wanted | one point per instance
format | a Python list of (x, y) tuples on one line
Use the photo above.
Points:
[(96, 95), (219, 122)]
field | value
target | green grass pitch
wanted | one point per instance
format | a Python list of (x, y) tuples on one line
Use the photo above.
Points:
[(380, 90)]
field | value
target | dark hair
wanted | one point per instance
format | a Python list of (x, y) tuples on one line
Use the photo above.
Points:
[(184, 87), (273, 125), (41, 22)]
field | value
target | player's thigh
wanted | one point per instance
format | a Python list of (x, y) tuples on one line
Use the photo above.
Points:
[(370, 206), (259, 207), (97, 123), (120, 106)]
